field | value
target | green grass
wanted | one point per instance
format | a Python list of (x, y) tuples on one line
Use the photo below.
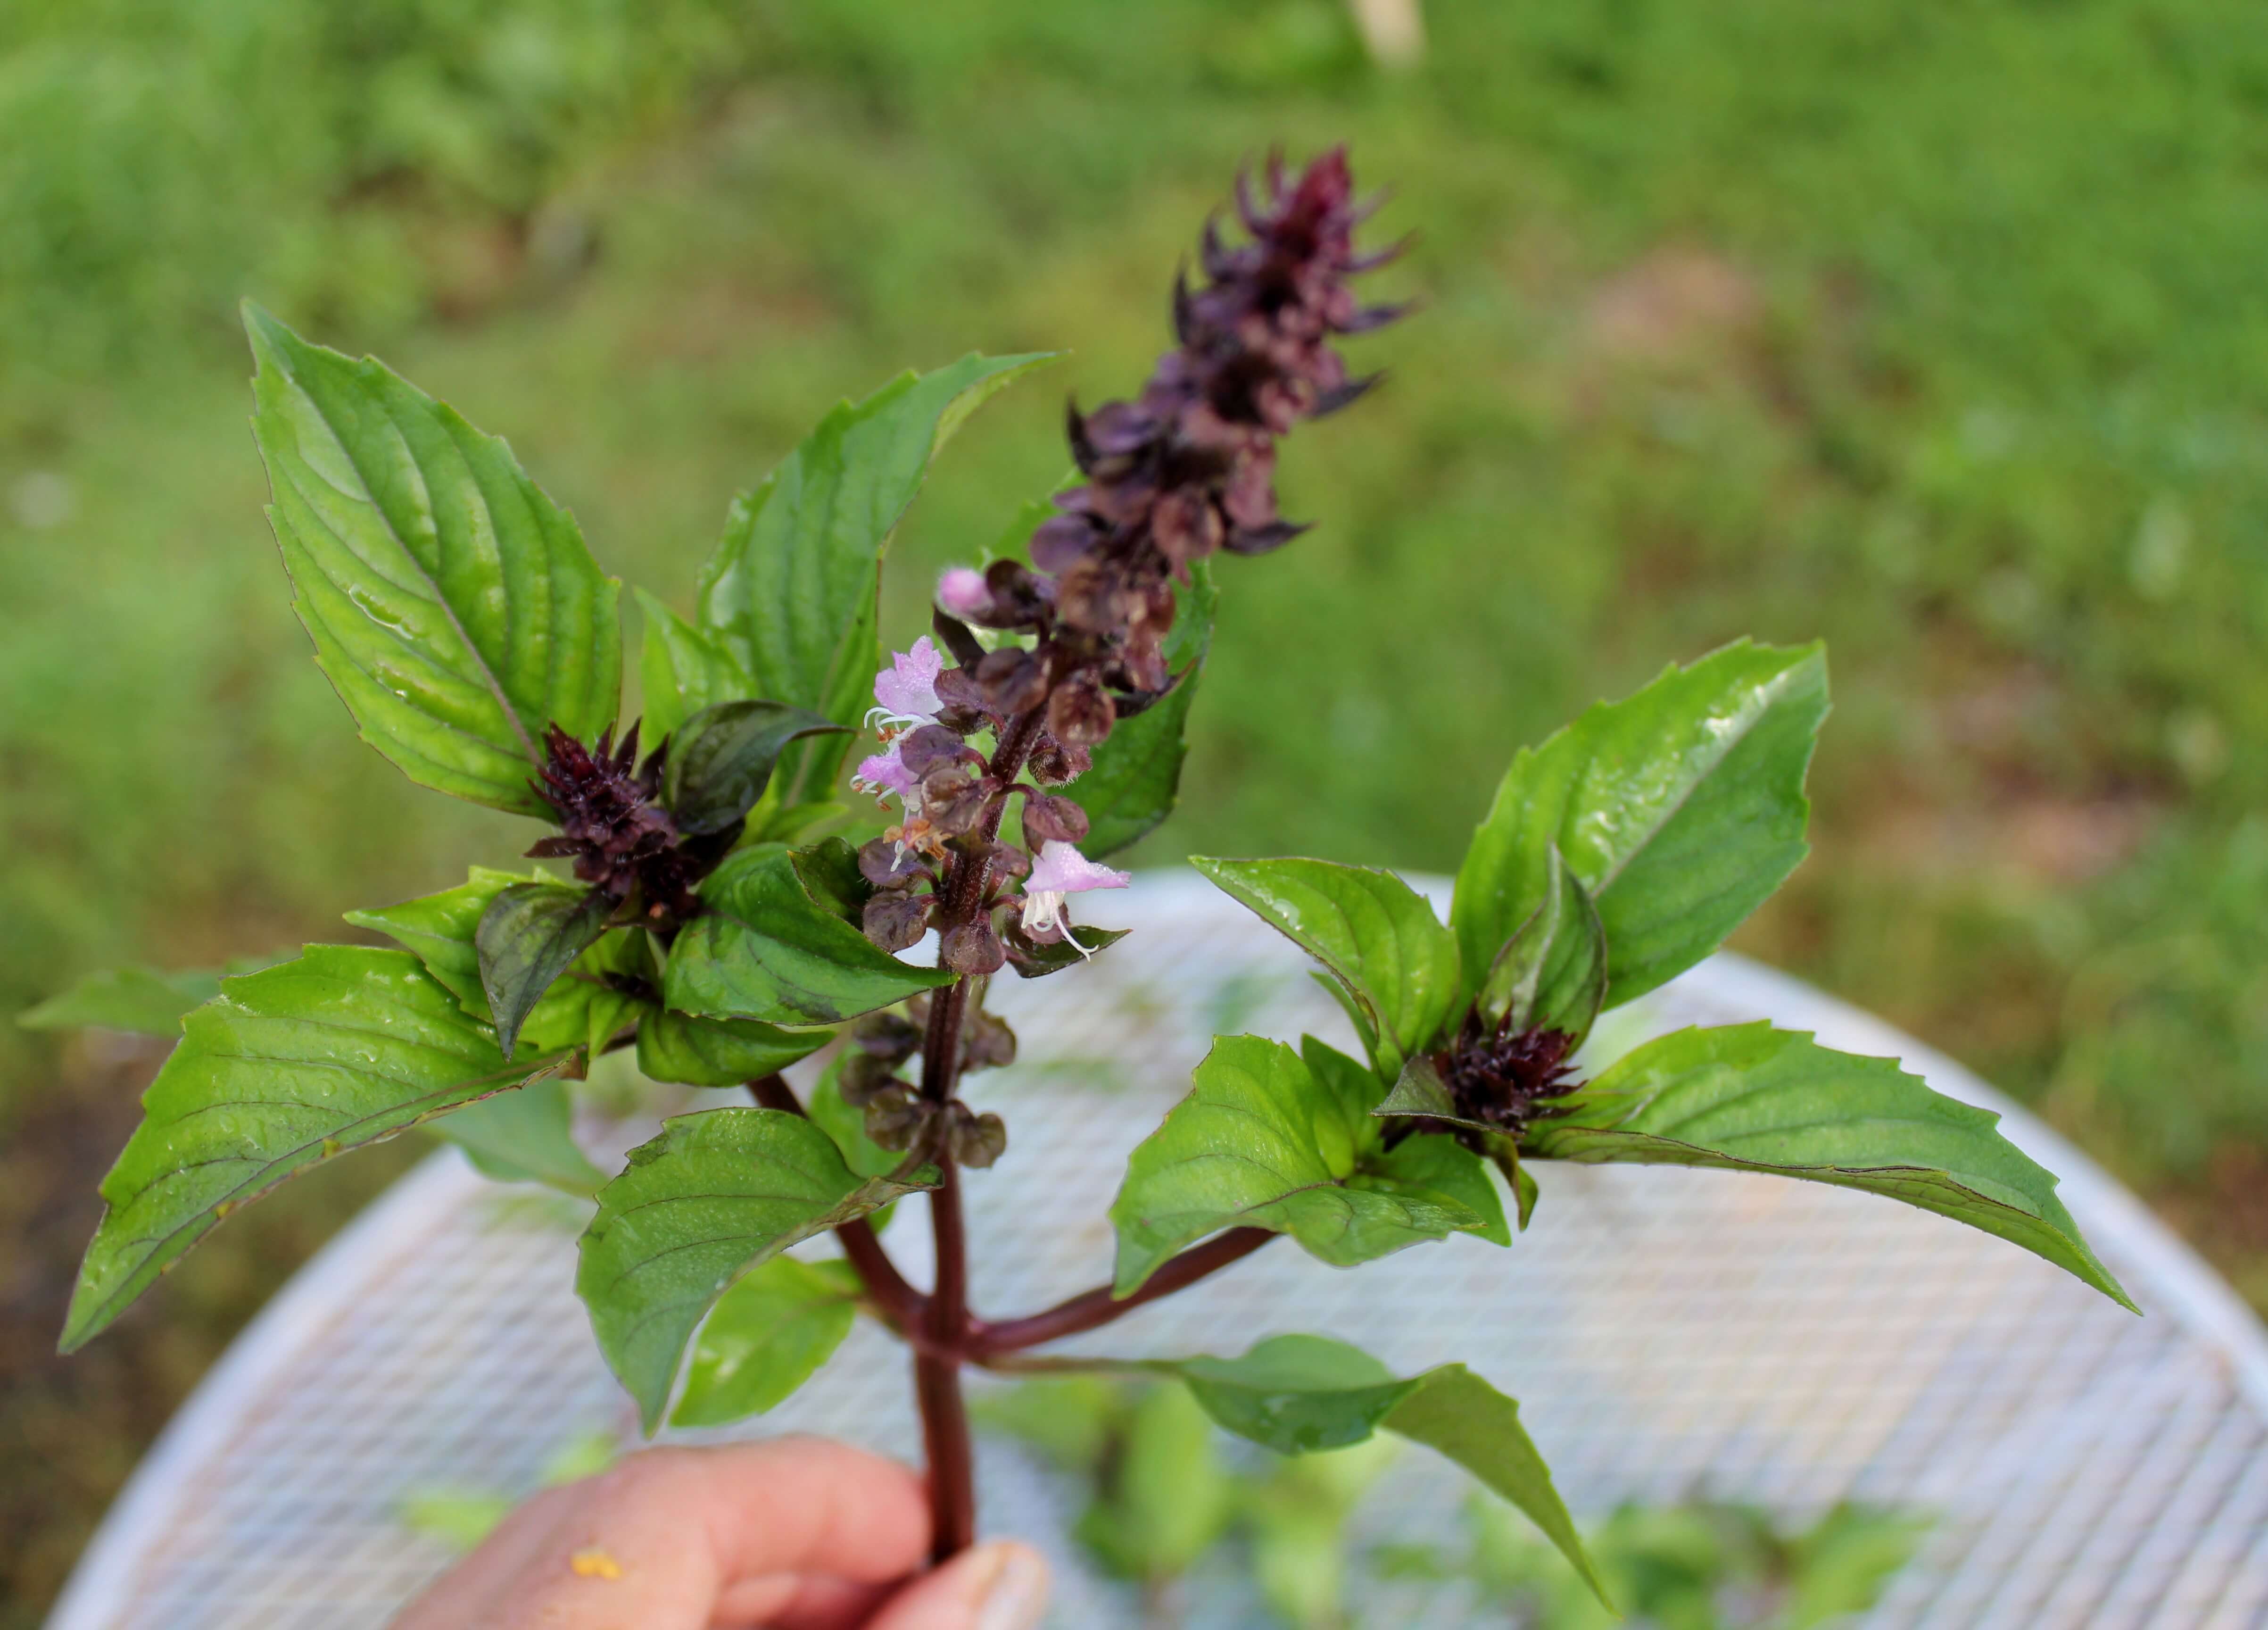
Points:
[(1939, 331)]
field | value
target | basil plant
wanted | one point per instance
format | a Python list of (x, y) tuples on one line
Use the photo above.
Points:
[(1035, 729)]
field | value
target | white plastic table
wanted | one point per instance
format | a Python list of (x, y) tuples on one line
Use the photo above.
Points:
[(1669, 1333)]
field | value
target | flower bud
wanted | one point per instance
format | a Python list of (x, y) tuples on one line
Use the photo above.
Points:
[(975, 1139), (1047, 817), (972, 947), (1012, 681), (886, 865), (889, 1037), (932, 746), (894, 920), (1062, 540), (895, 1118), (961, 591), (1052, 763), (863, 1077), (954, 798), (986, 1041), (1079, 713)]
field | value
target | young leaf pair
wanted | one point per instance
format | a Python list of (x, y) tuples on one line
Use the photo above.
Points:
[(461, 617), (1614, 856)]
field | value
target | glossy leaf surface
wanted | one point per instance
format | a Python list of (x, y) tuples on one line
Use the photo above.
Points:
[(718, 1052), (790, 590), (452, 605), (344, 1046), (766, 948), (1298, 1394), (1262, 1142), (1040, 961), (682, 670), (1136, 776), (580, 1009), (1377, 935), (720, 760), (1680, 808), (847, 1126), (713, 1196), (768, 1335), (529, 935), (1552, 974), (1420, 1090), (1751, 1098)]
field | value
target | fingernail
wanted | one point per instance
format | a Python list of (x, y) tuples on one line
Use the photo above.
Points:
[(1018, 1592)]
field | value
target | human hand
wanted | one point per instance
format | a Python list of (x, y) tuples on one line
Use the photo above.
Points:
[(793, 1534)]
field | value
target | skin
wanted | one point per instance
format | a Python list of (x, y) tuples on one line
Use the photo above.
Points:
[(792, 1534)]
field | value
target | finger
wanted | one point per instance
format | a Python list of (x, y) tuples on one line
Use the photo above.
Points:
[(467, 1592), (1000, 1586), (808, 1505), (810, 1603), (664, 1536)]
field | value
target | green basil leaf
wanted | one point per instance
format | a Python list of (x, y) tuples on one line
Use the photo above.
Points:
[(139, 1000), (682, 670), (1261, 1143), (1300, 1394), (767, 1336), (1037, 962), (1137, 775), (344, 1046), (1441, 1169), (720, 760), (1552, 974), (583, 1008), (525, 1136), (848, 1127), (1376, 934), (718, 1052), (528, 936), (766, 948), (452, 605), (1681, 809), (790, 590), (1751, 1098), (793, 824), (1295, 1394), (716, 1194), (1168, 1498), (1420, 1090)]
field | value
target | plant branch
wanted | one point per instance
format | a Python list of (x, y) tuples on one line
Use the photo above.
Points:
[(937, 1377), (1096, 1308), (936, 1363)]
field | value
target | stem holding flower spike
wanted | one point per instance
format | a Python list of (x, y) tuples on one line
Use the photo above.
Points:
[(475, 640)]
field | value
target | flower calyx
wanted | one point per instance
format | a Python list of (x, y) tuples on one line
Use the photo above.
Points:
[(613, 824), (1503, 1078)]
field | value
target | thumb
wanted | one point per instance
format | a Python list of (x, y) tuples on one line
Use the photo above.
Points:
[(1000, 1586)]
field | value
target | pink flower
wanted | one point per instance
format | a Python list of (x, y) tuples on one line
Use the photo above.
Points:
[(885, 774), (905, 692), (961, 591), (1059, 872)]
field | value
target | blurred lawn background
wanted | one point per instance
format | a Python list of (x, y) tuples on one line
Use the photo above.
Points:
[(1938, 330)]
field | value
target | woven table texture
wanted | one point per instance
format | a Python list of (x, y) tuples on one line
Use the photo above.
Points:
[(1669, 1333)]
